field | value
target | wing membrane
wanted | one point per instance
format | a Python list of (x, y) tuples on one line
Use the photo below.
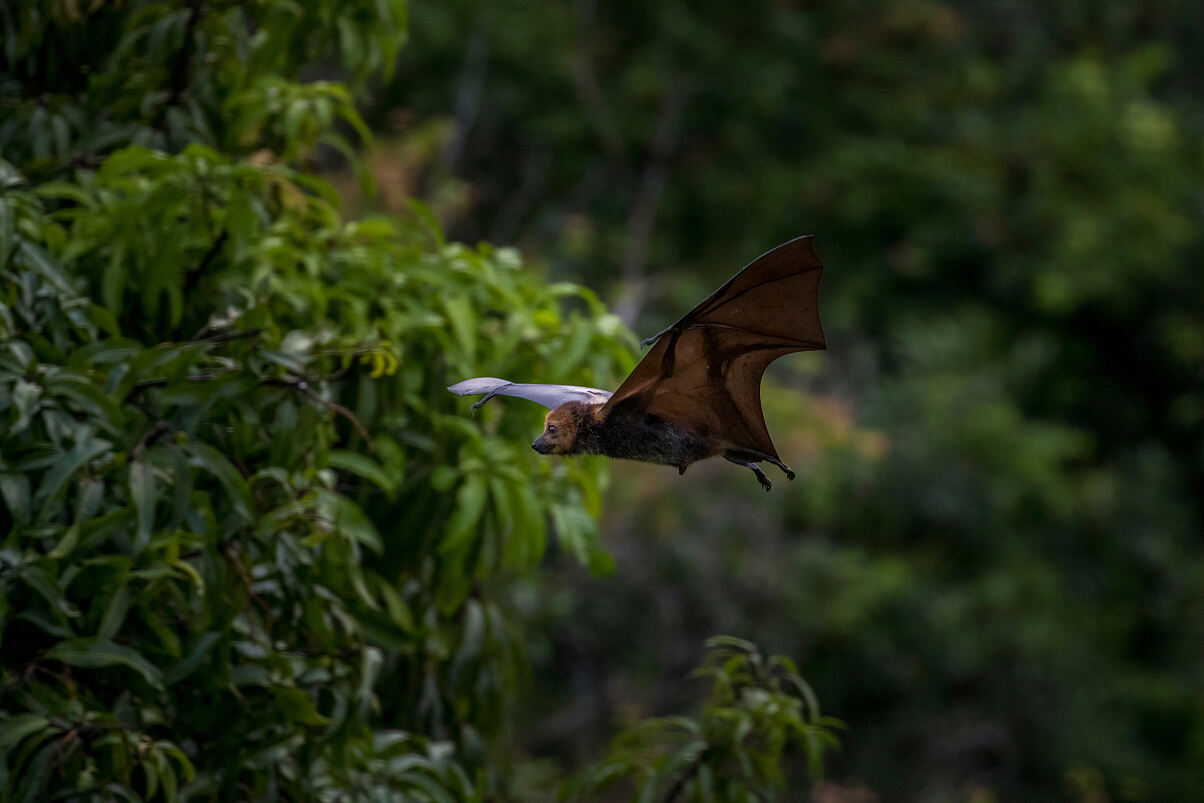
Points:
[(705, 371), (550, 396)]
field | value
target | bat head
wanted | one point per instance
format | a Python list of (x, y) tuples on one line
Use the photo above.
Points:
[(560, 429)]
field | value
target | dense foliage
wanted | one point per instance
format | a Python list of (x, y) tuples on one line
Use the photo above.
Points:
[(992, 569), (252, 548)]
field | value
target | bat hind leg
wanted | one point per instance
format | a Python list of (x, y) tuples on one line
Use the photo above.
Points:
[(761, 478), (488, 396), (787, 470)]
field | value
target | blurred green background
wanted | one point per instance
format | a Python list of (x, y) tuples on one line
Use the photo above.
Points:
[(989, 567)]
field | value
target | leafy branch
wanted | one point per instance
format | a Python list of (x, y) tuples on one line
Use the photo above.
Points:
[(758, 710)]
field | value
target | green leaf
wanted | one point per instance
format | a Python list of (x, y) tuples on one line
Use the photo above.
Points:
[(66, 191), (470, 504), (297, 706), (119, 605), (18, 726), (42, 582), (443, 477), (88, 397), (47, 266), (61, 470), (720, 643), (95, 653), (26, 396), (33, 774), (150, 770), (8, 231), (142, 494), (14, 488), (66, 544), (203, 456), (350, 520), (363, 467), (167, 776), (459, 314), (433, 790), (112, 284), (371, 663)]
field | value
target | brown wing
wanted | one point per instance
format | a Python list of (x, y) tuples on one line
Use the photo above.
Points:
[(705, 371)]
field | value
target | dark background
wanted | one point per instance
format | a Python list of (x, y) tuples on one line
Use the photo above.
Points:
[(990, 564)]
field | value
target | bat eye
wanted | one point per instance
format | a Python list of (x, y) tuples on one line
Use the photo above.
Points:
[(551, 429)]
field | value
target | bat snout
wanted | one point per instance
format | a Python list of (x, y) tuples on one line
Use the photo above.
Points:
[(541, 445)]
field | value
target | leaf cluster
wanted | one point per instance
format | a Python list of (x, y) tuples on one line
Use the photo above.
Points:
[(733, 751), (249, 539)]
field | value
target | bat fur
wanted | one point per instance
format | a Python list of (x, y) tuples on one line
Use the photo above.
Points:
[(580, 428)]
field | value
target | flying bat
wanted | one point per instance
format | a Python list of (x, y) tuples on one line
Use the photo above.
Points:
[(697, 392)]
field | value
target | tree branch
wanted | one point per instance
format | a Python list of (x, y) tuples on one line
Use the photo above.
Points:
[(303, 387), (148, 438), (687, 772), (193, 277)]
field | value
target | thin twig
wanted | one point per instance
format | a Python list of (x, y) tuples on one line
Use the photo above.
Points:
[(193, 277), (153, 434), (343, 411), (303, 387)]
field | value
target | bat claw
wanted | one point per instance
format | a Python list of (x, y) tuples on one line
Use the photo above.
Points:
[(761, 478), (477, 406), (787, 470), (648, 341)]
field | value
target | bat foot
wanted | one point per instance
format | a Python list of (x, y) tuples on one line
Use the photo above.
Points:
[(761, 478), (787, 470), (477, 405)]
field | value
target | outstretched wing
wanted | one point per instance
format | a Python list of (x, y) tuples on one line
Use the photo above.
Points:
[(550, 396), (704, 373)]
